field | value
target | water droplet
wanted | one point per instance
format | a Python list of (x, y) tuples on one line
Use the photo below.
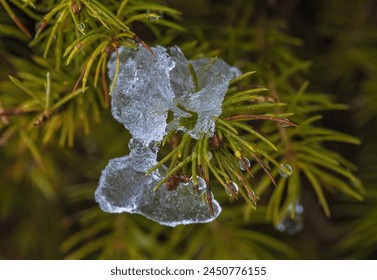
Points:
[(243, 162), (252, 196), (152, 17), (200, 189), (81, 27), (285, 170), (232, 189), (284, 124), (292, 222), (97, 13)]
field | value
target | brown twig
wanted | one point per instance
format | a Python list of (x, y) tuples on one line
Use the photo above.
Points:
[(209, 200), (261, 164), (79, 80), (137, 39), (3, 119), (261, 117), (42, 26), (16, 112), (45, 116), (76, 9), (15, 19)]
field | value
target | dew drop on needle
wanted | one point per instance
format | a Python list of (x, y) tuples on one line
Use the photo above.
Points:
[(285, 170)]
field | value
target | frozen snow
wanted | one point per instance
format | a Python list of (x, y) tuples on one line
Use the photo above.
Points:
[(143, 95), (147, 88)]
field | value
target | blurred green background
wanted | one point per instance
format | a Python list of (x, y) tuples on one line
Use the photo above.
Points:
[(47, 182)]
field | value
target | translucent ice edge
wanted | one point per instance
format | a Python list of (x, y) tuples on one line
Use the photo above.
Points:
[(124, 187), (147, 88)]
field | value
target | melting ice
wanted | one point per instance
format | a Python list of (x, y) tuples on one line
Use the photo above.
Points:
[(147, 88), (123, 187)]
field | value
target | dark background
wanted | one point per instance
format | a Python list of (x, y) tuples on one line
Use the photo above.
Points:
[(47, 210)]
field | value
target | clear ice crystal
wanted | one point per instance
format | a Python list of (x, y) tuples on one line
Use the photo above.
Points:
[(143, 95), (147, 88), (125, 188), (213, 79)]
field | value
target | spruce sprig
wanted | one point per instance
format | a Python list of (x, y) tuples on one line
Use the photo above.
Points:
[(225, 155)]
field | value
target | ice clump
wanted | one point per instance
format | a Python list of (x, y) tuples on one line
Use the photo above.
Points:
[(147, 88), (124, 187), (143, 95)]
